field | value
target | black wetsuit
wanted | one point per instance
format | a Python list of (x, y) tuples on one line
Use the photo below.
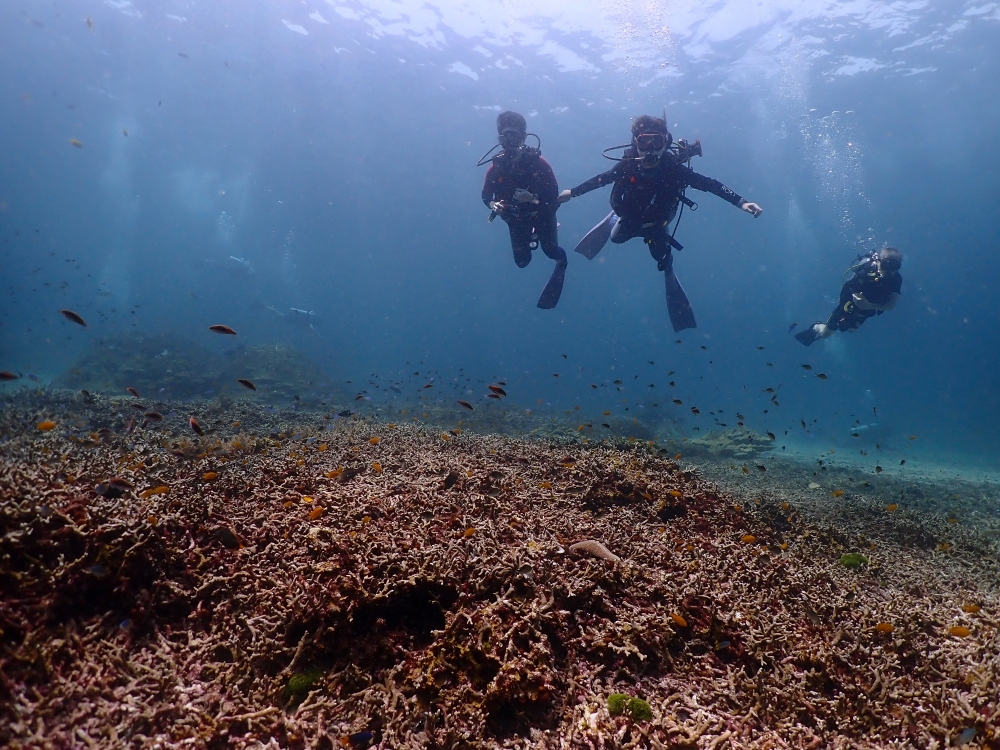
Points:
[(646, 200), (528, 221), (877, 288)]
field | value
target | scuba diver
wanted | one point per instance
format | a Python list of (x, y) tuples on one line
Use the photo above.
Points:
[(648, 184), (521, 189), (874, 288)]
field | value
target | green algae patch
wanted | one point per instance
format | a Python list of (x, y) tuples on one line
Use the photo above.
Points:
[(636, 708), (617, 703), (640, 710), (853, 560)]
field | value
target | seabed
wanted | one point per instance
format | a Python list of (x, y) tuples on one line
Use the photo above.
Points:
[(303, 580)]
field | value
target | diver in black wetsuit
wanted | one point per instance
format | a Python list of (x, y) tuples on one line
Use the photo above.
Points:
[(874, 288), (649, 182), (521, 189)]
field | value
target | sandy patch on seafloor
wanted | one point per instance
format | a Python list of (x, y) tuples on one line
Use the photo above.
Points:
[(433, 601)]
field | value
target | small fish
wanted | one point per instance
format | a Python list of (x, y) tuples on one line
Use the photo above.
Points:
[(227, 538), (902, 461), (181, 54), (967, 735), (246, 384), (769, 390), (76, 143), (822, 376), (806, 367), (375, 440), (161, 490), (771, 435), (960, 631), (345, 413), (694, 410), (703, 347), (222, 329), (892, 507), (125, 132), (606, 413), (761, 467), (838, 493), (195, 426), (429, 385), (677, 401), (47, 425), (359, 397), (73, 317), (618, 382), (6, 375), (971, 609), (133, 391), (466, 405), (555, 374), (679, 621), (155, 416), (792, 327), (120, 484), (884, 627), (492, 395), (746, 470), (605, 424), (565, 357), (748, 539), (450, 480), (316, 512), (675, 493), (335, 473), (913, 437), (90, 24), (209, 476), (760, 348), (878, 469)]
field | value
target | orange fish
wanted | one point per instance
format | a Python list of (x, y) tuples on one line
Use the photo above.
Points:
[(838, 493), (675, 493), (960, 631), (5, 375), (607, 413), (492, 395), (47, 425), (970, 608), (133, 391), (497, 390), (195, 426), (377, 466), (335, 473), (222, 329), (73, 317), (466, 404), (546, 485), (316, 512), (884, 627), (375, 440), (246, 384), (694, 410), (680, 621), (208, 476), (469, 532), (748, 538), (161, 490), (892, 507)]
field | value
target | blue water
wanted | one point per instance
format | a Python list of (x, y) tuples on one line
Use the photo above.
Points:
[(331, 146)]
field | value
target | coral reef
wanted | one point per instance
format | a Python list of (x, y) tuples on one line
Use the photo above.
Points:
[(737, 442), (300, 584), (166, 366)]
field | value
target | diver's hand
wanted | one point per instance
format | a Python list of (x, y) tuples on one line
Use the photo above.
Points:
[(496, 206), (752, 208), (564, 196), (524, 196)]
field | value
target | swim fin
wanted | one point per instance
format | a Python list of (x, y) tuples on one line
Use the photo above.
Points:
[(681, 314), (553, 289), (595, 240), (809, 335)]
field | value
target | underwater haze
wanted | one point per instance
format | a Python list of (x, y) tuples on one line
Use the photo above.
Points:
[(305, 172)]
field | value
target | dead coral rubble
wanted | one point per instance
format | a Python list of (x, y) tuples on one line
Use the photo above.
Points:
[(326, 585)]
